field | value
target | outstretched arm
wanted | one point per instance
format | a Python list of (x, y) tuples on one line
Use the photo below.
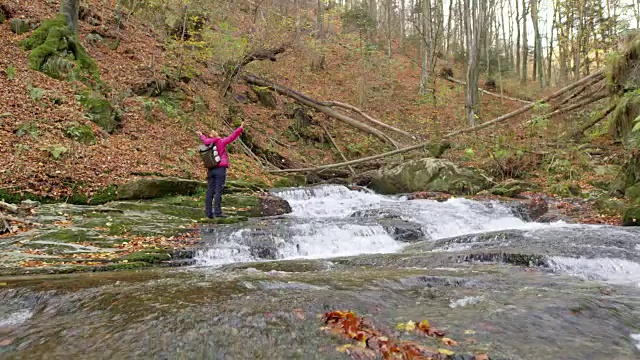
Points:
[(205, 139), (234, 135)]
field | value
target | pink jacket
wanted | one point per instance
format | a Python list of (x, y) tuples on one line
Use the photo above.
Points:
[(221, 144)]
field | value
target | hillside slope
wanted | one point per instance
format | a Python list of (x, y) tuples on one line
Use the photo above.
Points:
[(40, 116)]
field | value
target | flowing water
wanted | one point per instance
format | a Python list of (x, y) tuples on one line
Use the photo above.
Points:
[(480, 271)]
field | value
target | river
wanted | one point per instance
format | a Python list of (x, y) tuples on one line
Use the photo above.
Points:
[(492, 280)]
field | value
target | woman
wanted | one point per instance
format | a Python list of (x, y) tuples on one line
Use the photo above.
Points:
[(218, 175)]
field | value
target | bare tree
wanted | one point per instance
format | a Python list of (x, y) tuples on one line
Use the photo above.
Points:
[(475, 20)]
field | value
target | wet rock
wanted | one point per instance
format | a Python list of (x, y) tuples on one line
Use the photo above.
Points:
[(430, 195), (401, 230), (435, 281), (273, 206), (155, 187), (429, 174), (376, 213)]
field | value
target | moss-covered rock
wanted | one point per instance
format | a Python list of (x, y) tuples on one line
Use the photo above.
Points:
[(631, 216), (155, 187), (100, 111), (81, 133), (512, 188), (633, 193), (609, 206), (565, 189), (19, 26), (265, 96), (429, 174), (57, 51)]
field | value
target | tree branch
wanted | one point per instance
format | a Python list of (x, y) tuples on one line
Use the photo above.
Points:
[(371, 119)]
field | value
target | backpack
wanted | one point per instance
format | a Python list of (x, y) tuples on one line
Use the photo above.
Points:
[(209, 155)]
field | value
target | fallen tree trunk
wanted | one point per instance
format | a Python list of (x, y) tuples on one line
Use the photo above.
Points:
[(451, 134), (303, 99), (8, 207), (528, 107), (579, 91), (489, 92), (373, 120)]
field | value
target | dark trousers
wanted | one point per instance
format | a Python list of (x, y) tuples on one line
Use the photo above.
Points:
[(217, 178)]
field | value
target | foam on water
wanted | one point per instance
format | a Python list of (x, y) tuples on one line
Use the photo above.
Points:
[(636, 338), (615, 271), (16, 318)]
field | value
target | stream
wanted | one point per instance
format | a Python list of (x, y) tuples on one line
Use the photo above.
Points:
[(480, 271)]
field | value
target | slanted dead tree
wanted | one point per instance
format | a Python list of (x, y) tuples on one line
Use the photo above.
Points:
[(320, 106)]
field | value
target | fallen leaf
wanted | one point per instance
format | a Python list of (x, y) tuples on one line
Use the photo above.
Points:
[(446, 352), (469, 332), (449, 342)]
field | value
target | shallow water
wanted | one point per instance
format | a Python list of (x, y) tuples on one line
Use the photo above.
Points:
[(490, 280)]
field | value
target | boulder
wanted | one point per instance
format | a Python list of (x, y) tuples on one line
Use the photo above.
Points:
[(429, 174), (155, 187), (19, 26), (609, 205), (273, 205), (265, 96), (402, 230), (631, 216), (633, 193)]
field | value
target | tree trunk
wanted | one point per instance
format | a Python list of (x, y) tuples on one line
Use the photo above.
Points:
[(550, 49), (69, 8), (518, 39), (525, 46), (473, 13), (538, 44)]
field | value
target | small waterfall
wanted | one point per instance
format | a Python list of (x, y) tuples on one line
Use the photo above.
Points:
[(333, 220)]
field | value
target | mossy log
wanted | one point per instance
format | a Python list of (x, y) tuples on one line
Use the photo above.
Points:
[(57, 51)]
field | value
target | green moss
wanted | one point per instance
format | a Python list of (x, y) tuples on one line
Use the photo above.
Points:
[(53, 39), (65, 235), (100, 111), (633, 193), (631, 216), (104, 196), (81, 133)]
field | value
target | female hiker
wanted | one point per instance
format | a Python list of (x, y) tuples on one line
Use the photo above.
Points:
[(218, 174)]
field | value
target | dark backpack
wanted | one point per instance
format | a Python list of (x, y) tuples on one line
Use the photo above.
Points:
[(209, 155)]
